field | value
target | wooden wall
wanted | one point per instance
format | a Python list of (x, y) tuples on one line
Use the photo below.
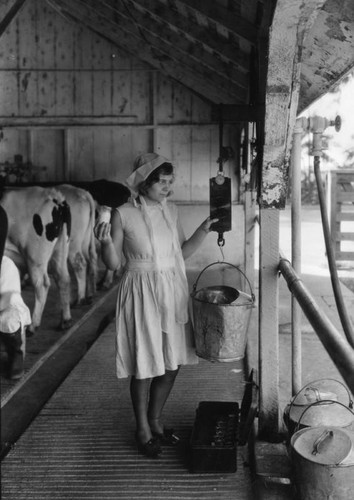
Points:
[(74, 103)]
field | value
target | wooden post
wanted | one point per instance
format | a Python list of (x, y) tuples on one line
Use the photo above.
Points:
[(292, 20), (268, 325)]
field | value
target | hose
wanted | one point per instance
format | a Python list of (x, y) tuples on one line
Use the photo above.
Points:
[(342, 311)]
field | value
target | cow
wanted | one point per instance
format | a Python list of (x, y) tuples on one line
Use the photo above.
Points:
[(107, 194), (82, 246), (39, 226)]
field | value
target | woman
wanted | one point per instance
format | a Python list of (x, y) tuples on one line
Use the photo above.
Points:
[(153, 338)]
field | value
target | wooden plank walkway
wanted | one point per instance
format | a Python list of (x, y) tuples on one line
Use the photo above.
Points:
[(81, 445)]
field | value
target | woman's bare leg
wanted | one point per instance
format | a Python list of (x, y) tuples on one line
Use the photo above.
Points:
[(139, 393), (160, 389)]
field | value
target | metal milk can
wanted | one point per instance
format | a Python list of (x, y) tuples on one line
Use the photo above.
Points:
[(323, 463), (321, 402)]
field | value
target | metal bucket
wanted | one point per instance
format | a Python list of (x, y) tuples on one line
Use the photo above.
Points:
[(321, 402), (220, 320), (323, 463)]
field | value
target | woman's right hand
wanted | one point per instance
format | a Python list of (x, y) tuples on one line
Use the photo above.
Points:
[(102, 232)]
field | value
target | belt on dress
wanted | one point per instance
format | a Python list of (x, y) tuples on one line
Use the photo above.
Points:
[(144, 265)]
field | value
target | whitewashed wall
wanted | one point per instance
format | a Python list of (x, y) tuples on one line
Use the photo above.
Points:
[(77, 105)]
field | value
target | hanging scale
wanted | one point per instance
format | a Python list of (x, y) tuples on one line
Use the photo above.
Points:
[(220, 193)]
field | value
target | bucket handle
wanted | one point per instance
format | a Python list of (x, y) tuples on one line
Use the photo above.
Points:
[(318, 403), (292, 403), (229, 264)]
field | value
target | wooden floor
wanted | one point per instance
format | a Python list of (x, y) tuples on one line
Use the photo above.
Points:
[(48, 337), (81, 445)]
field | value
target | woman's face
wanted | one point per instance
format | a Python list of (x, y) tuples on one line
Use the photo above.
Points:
[(161, 189)]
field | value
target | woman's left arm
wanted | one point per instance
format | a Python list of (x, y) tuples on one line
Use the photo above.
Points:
[(193, 243)]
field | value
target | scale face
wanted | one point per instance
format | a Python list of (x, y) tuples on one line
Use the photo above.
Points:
[(220, 203)]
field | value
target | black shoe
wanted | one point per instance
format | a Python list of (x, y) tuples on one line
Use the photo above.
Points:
[(167, 437), (151, 449)]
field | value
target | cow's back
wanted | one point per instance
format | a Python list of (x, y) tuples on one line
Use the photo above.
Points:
[(39, 224), (35, 221), (82, 248), (81, 206)]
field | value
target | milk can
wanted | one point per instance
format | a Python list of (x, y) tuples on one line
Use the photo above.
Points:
[(323, 463), (321, 402)]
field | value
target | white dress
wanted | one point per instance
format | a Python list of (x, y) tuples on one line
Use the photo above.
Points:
[(13, 311), (153, 331)]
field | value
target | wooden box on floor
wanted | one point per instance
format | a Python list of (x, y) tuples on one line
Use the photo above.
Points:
[(221, 426), (214, 437)]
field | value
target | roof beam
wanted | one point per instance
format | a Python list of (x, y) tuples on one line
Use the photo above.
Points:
[(6, 20), (133, 44), (163, 52), (226, 48), (235, 24), (187, 52), (235, 113)]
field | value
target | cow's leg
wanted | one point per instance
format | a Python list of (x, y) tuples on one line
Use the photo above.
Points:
[(91, 286), (41, 283), (15, 344), (79, 268), (62, 279), (91, 282), (59, 268)]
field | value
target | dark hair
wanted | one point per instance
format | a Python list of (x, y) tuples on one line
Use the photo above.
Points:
[(164, 169)]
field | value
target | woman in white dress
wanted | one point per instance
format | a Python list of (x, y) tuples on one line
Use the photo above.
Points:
[(153, 334)]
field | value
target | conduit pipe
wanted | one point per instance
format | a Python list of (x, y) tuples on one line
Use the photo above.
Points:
[(335, 344), (317, 126), (296, 315)]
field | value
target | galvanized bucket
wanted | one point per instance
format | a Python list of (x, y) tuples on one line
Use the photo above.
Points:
[(323, 463), (220, 319)]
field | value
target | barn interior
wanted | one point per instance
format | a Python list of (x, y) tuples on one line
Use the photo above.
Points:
[(86, 86)]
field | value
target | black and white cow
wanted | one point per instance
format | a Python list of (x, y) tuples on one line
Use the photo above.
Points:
[(39, 227)]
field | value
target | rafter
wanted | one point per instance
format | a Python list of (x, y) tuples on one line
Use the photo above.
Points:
[(133, 33), (132, 43), (235, 24), (226, 48), (8, 17), (188, 53)]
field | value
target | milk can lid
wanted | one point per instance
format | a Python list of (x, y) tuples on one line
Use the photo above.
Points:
[(323, 445), (324, 412)]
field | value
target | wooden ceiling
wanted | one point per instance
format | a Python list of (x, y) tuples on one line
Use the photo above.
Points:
[(206, 45), (217, 48)]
